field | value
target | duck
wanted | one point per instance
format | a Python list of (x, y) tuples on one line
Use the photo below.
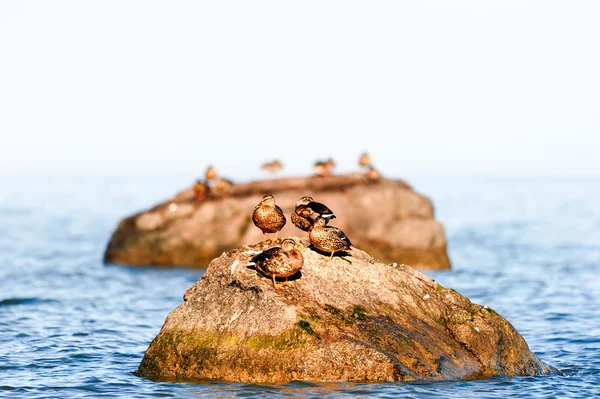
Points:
[(306, 211), (268, 217), (372, 175), (222, 187), (210, 174), (320, 168), (280, 262), (200, 190), (364, 160), (272, 167), (328, 238), (324, 168)]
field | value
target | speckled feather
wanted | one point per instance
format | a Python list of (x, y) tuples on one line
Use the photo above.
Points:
[(278, 263), (301, 222), (329, 239), (270, 219), (304, 214)]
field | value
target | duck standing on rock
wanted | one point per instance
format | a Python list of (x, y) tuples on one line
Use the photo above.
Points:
[(364, 160), (307, 210), (328, 238), (324, 168), (280, 262), (200, 190), (272, 167), (210, 174), (372, 175), (268, 217), (320, 168)]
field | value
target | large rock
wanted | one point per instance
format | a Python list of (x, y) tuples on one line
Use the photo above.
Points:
[(385, 217), (350, 319)]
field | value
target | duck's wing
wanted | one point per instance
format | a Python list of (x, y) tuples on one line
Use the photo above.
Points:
[(265, 256), (280, 211), (322, 210), (301, 220), (341, 235)]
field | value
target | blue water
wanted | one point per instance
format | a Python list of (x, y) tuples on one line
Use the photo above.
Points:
[(72, 327)]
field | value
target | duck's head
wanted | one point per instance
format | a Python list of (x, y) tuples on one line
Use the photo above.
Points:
[(267, 200), (304, 201), (289, 244)]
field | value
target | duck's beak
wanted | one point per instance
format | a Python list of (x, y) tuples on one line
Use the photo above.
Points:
[(298, 247)]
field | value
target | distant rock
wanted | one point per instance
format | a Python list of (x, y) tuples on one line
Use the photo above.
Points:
[(350, 319), (385, 217)]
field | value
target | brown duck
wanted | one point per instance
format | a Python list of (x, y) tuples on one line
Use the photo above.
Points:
[(268, 217), (320, 168), (306, 212), (200, 190), (328, 238), (280, 262), (364, 160), (210, 173), (372, 175), (323, 168), (272, 167)]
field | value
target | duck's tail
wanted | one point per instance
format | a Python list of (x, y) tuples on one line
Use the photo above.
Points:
[(347, 241)]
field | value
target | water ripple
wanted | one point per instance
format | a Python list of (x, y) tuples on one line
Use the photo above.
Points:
[(24, 301), (71, 327)]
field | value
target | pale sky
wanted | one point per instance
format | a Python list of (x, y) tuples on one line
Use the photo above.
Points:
[(427, 87)]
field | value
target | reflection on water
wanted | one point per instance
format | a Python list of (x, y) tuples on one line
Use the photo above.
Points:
[(72, 327)]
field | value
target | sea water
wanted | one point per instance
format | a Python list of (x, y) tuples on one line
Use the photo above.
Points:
[(71, 326)]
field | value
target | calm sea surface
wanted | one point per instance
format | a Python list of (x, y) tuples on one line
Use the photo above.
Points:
[(72, 327)]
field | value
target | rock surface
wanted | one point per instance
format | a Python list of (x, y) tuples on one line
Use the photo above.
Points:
[(350, 319), (385, 217)]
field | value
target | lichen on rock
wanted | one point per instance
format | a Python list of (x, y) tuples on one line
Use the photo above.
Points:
[(351, 319)]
